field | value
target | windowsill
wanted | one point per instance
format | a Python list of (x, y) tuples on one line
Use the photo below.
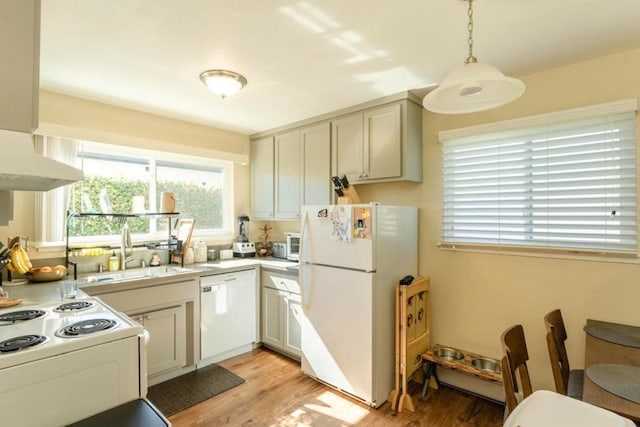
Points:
[(552, 254)]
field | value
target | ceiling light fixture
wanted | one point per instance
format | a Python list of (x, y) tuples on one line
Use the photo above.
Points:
[(473, 86), (223, 82)]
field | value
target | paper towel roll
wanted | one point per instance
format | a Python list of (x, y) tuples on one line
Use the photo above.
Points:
[(167, 202)]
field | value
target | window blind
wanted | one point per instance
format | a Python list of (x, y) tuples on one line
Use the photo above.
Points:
[(560, 185)]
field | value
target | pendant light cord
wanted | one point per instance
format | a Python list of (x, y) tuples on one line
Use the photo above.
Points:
[(470, 59)]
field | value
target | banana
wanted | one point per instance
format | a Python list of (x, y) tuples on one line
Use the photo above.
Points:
[(17, 260), (25, 257)]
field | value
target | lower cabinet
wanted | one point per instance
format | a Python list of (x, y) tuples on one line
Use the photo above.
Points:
[(281, 313), (166, 348), (166, 311)]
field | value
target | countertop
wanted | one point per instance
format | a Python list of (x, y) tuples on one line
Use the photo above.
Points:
[(114, 281)]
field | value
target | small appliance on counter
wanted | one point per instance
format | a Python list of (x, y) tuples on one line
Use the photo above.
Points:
[(279, 250), (242, 247), (293, 246)]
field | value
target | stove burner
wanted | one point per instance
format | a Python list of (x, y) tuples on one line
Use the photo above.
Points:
[(18, 343), (17, 316), (73, 306), (86, 327)]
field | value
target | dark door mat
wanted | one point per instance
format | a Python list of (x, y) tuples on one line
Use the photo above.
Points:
[(186, 390)]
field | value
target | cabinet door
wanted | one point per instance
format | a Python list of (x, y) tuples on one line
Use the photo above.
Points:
[(271, 317), (166, 348), (19, 70), (316, 164), (292, 321), (262, 178), (288, 175), (347, 146), (382, 143)]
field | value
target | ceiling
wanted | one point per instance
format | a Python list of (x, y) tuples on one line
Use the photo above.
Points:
[(306, 58)]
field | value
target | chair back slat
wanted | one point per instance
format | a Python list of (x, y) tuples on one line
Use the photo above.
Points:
[(556, 337), (514, 365)]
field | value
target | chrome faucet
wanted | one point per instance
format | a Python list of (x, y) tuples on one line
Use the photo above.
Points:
[(125, 243)]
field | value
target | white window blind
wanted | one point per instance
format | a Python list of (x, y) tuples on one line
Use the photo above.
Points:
[(567, 185)]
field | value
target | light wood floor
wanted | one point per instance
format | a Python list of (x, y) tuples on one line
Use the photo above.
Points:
[(277, 393)]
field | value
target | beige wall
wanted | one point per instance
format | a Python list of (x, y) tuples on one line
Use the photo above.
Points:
[(71, 117), (476, 296)]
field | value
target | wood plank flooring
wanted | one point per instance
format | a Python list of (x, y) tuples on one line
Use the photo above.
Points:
[(277, 393)]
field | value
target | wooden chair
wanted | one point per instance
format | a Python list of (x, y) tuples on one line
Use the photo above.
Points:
[(514, 360), (568, 382)]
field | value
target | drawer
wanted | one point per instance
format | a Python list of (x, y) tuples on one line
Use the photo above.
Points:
[(281, 281), (153, 296)]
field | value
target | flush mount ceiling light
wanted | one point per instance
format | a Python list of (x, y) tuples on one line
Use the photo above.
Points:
[(223, 82), (473, 86)]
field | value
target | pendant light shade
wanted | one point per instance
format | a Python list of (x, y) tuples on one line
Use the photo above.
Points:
[(223, 82), (473, 86)]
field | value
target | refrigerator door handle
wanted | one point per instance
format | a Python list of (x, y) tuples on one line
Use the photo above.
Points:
[(306, 289), (302, 239)]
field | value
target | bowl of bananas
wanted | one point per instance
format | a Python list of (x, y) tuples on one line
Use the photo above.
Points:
[(46, 274)]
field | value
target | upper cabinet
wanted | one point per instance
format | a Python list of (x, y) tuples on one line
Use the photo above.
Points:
[(379, 144), (262, 171), (288, 174), (19, 69), (315, 143), (289, 170), (292, 166)]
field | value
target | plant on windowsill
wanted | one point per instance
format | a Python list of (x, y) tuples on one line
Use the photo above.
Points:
[(264, 247)]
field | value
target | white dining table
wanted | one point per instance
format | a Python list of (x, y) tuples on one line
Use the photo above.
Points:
[(545, 408)]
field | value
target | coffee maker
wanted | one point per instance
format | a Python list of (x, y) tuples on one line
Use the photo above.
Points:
[(242, 247)]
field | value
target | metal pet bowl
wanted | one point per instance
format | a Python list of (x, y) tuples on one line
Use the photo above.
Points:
[(487, 365), (449, 354)]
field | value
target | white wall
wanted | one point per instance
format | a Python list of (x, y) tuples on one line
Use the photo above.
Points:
[(476, 296)]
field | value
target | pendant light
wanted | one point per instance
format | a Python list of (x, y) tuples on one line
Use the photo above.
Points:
[(223, 82), (473, 86)]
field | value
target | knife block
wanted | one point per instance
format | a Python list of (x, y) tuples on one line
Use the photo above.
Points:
[(350, 197)]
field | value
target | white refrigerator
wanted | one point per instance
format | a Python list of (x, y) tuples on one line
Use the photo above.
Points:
[(351, 258)]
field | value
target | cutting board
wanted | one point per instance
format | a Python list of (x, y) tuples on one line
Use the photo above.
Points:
[(9, 302)]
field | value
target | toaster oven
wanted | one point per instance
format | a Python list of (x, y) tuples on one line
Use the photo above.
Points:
[(279, 250), (293, 246)]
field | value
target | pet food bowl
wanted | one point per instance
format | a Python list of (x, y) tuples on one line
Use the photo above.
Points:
[(486, 365), (448, 353)]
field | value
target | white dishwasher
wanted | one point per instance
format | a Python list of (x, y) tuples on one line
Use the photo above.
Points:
[(228, 312)]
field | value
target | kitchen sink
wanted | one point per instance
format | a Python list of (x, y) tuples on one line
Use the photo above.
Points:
[(136, 274)]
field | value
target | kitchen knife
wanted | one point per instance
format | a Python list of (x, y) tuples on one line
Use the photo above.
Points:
[(336, 181), (339, 192), (344, 181)]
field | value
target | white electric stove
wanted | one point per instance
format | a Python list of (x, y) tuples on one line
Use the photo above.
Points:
[(65, 361)]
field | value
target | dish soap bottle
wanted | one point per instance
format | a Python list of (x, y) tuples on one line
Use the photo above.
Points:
[(114, 262)]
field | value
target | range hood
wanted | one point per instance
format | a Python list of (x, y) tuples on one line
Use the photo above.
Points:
[(21, 168)]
